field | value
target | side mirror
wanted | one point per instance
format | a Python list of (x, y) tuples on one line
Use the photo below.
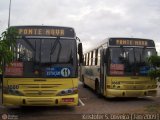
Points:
[(80, 52)]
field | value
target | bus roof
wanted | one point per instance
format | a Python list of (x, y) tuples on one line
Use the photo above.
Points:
[(52, 31)]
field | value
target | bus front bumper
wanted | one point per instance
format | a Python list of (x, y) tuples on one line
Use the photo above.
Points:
[(11, 100), (130, 93)]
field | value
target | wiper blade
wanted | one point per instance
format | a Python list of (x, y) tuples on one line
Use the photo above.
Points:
[(30, 45), (71, 58), (54, 48), (27, 41), (54, 45)]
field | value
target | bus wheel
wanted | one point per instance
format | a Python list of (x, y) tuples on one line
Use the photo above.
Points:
[(97, 88), (84, 85)]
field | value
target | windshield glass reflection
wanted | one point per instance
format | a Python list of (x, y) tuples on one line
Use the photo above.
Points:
[(43, 57), (133, 60)]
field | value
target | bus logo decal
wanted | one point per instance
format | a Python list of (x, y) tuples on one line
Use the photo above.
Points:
[(58, 72), (65, 72)]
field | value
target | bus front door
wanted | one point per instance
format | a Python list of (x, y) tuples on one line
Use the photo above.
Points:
[(102, 72)]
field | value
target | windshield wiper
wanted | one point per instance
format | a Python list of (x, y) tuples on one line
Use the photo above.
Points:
[(71, 58), (40, 50), (53, 48), (135, 62), (142, 59), (123, 56), (27, 41), (30, 45)]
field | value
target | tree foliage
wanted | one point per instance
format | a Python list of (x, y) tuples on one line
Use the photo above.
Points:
[(7, 43), (154, 61)]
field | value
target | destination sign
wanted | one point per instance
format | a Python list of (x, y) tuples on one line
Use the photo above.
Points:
[(131, 42), (45, 31)]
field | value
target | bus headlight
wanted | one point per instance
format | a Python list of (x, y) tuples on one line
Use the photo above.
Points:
[(15, 92), (67, 92), (5, 90), (11, 91)]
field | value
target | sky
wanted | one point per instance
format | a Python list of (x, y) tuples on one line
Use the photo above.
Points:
[(93, 20)]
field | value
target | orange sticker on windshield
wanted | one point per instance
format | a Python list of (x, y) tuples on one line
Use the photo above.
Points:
[(14, 69), (116, 67)]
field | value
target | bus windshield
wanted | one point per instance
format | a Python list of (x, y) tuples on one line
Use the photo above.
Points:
[(46, 50), (47, 56), (130, 60)]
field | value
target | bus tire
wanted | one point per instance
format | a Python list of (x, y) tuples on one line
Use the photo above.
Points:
[(84, 85), (97, 88)]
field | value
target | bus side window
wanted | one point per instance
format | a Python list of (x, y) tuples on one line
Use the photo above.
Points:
[(96, 56), (85, 59), (84, 63), (99, 55), (94, 53), (88, 59), (91, 58)]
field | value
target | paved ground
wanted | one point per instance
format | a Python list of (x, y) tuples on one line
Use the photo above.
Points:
[(90, 104)]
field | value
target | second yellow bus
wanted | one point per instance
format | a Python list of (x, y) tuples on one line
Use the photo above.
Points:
[(119, 68)]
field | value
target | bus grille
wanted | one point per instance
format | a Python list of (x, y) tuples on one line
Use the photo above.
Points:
[(38, 90), (133, 82), (134, 87)]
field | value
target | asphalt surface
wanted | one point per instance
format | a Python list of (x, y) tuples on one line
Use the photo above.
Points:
[(89, 104)]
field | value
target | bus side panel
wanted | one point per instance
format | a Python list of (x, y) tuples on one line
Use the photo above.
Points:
[(91, 74)]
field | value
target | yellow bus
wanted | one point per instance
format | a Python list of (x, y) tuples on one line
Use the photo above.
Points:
[(118, 68), (44, 71)]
